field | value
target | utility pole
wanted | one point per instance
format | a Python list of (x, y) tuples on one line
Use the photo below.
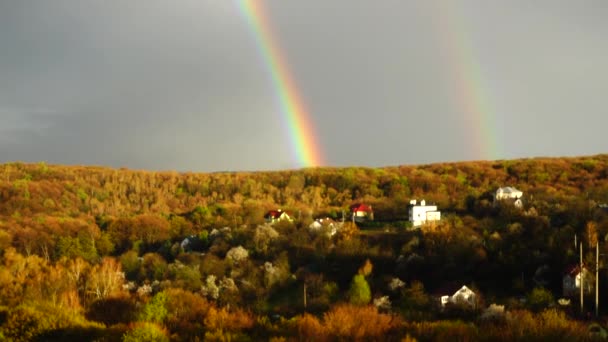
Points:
[(581, 275), (597, 277), (304, 295)]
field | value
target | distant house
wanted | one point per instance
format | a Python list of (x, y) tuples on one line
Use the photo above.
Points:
[(509, 194), (187, 242), (422, 213), (361, 212), (327, 223), (571, 281), (278, 215), (462, 296)]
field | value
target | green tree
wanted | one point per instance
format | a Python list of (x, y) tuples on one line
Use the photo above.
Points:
[(155, 311), (540, 298), (130, 264), (146, 332), (359, 292), (68, 247), (104, 244)]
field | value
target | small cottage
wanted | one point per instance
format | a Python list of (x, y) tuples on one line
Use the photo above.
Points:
[(361, 212), (571, 281), (278, 215)]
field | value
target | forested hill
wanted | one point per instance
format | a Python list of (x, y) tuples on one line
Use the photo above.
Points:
[(90, 253), (71, 191), (40, 201)]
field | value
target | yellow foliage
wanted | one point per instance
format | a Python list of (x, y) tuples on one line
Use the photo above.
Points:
[(310, 329), (348, 231), (352, 322), (366, 268), (222, 319)]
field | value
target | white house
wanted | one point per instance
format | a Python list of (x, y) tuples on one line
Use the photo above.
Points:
[(327, 223), (463, 296), (509, 194), (571, 281), (422, 213)]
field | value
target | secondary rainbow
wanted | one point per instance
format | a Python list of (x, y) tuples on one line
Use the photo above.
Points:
[(294, 113), (469, 85)]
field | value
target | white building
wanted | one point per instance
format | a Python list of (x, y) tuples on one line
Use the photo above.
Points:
[(463, 296), (509, 193), (327, 224), (422, 213)]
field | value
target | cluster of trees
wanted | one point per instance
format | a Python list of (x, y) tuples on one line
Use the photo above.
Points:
[(118, 254)]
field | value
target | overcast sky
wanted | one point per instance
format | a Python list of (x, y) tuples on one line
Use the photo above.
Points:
[(180, 85)]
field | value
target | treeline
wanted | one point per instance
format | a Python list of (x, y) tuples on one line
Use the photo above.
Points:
[(29, 189), (99, 253)]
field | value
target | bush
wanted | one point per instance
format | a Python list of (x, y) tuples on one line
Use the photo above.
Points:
[(27, 323), (540, 298), (350, 323), (145, 332)]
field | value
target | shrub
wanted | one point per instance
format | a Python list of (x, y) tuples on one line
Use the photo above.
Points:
[(350, 322), (145, 332)]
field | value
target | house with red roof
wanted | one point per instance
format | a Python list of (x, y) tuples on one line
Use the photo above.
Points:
[(278, 215), (571, 281), (361, 212)]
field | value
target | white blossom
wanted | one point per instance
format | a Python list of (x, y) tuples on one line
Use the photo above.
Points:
[(382, 303), (263, 235), (395, 284), (237, 254), (143, 290), (210, 288)]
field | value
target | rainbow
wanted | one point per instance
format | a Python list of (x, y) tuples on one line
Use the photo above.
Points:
[(469, 85), (295, 115)]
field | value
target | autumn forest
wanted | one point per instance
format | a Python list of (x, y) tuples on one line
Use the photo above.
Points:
[(101, 254)]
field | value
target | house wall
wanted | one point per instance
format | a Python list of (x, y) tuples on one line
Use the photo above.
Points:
[(419, 214), (571, 285), (433, 215), (507, 195)]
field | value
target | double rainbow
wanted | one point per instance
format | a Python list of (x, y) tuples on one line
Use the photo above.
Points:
[(466, 76), (294, 113)]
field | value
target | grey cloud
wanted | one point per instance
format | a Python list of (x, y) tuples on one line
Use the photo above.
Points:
[(181, 85)]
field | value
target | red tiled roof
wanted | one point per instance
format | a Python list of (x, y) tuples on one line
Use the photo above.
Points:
[(360, 207), (573, 270), (274, 214)]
